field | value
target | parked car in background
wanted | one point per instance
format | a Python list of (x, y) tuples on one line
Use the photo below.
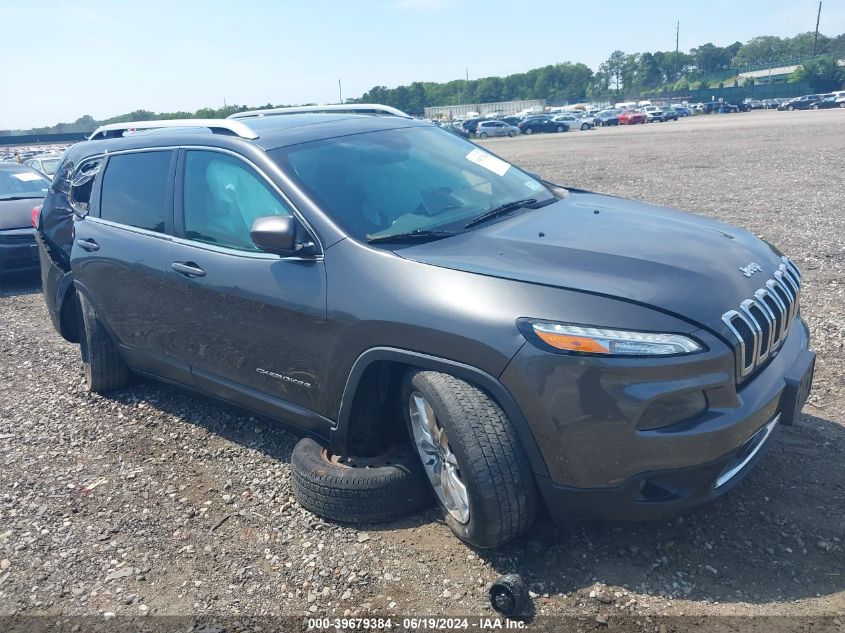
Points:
[(495, 128), (719, 107), (670, 114), (741, 106), (542, 124), (653, 114), (21, 190), (839, 97), (575, 122), (826, 102), (754, 104), (456, 128), (470, 125), (631, 117), (607, 117), (800, 103), (681, 110), (47, 164), (512, 120), (770, 104)]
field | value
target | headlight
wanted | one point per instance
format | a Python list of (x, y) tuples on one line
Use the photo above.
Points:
[(594, 340)]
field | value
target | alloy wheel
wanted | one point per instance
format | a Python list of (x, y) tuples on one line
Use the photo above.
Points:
[(438, 460)]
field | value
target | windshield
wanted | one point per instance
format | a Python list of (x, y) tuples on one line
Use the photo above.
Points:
[(389, 182), (22, 182), (50, 165)]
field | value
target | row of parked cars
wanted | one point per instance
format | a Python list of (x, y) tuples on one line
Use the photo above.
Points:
[(515, 125), (627, 115), (557, 122), (45, 160), (815, 102)]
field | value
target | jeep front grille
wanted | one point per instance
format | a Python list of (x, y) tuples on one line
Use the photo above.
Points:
[(762, 322)]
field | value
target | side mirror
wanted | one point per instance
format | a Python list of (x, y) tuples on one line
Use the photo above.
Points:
[(275, 234)]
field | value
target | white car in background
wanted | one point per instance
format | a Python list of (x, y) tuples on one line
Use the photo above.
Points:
[(576, 122), (653, 114), (495, 128)]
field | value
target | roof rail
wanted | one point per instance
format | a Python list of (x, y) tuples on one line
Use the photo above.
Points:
[(348, 108), (114, 130)]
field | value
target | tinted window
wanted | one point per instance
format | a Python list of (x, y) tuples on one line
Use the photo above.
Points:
[(135, 190), (223, 196)]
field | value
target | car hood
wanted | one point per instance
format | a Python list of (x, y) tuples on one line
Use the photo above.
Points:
[(673, 261), (17, 214)]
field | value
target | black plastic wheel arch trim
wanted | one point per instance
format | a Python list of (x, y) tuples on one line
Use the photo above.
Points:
[(340, 434)]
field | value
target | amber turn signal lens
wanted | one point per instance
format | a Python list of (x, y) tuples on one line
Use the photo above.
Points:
[(573, 343)]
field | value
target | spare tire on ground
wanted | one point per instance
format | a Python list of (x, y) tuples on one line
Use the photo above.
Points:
[(358, 489)]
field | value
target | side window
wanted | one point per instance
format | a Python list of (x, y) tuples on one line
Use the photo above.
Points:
[(135, 190), (222, 197), (81, 186)]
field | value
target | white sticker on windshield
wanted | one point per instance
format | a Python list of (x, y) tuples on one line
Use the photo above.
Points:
[(533, 185), (27, 176), (489, 162)]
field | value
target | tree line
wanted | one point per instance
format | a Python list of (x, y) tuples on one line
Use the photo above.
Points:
[(625, 74), (622, 74), (708, 65)]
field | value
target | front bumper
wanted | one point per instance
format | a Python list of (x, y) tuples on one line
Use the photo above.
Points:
[(660, 494), (18, 251), (583, 413)]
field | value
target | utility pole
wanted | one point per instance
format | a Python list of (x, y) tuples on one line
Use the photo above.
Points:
[(466, 70), (816, 38), (339, 92), (677, 36)]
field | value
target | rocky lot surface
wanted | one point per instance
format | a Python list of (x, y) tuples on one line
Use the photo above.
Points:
[(154, 501)]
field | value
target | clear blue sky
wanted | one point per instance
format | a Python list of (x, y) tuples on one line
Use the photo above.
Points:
[(63, 59)]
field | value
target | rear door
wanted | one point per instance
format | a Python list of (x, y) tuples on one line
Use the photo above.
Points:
[(250, 323), (121, 249)]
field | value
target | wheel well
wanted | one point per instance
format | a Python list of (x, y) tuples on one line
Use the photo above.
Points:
[(69, 321), (373, 415), (376, 419)]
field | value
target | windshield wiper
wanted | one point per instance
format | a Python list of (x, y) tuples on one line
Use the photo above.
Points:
[(410, 236), (500, 210), (21, 197)]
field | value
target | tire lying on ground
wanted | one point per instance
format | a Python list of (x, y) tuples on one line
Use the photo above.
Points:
[(358, 490)]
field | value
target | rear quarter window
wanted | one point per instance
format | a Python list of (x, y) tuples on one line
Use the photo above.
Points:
[(135, 190)]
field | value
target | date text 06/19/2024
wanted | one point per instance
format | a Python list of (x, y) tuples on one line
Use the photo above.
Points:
[(421, 623)]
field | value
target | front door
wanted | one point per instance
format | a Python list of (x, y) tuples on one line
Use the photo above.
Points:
[(249, 322)]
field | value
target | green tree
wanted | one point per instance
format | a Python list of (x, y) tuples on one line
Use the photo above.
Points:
[(614, 69), (710, 58), (802, 45), (819, 68), (647, 72), (758, 50)]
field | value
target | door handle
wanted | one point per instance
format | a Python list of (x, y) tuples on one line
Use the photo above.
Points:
[(189, 269), (88, 244)]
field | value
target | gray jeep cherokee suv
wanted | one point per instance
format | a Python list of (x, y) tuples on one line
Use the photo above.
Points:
[(344, 269)]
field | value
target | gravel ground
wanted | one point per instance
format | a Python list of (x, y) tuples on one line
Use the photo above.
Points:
[(154, 501)]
